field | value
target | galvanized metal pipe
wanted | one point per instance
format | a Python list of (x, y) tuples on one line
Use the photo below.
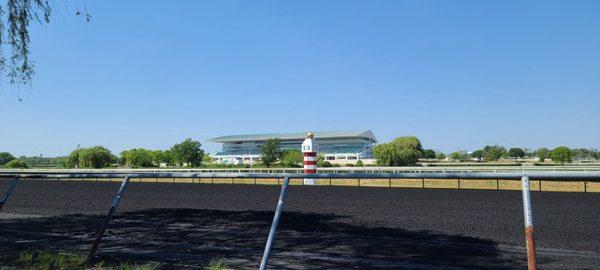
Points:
[(271, 238), (111, 212), (548, 176), (528, 217), (9, 190)]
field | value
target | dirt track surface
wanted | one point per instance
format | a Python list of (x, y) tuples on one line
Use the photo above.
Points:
[(322, 227)]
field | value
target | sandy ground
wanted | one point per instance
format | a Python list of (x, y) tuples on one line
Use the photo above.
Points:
[(322, 228)]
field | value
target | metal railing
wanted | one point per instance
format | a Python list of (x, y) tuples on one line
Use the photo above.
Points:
[(523, 176), (365, 169)]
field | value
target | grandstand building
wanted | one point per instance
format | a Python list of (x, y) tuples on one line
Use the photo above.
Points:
[(340, 147)]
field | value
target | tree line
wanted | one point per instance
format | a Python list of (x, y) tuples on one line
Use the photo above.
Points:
[(187, 153), (184, 154), (402, 151), (560, 154), (406, 151)]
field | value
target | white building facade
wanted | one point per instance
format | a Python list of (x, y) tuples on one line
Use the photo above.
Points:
[(339, 147)]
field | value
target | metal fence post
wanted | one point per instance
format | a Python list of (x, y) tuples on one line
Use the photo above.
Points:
[(11, 186), (111, 212), (271, 238), (528, 216)]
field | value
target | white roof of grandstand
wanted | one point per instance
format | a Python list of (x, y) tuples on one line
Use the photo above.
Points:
[(296, 136)]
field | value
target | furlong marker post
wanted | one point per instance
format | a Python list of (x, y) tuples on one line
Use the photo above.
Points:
[(11, 186), (528, 215), (309, 150), (280, 203), (111, 212)]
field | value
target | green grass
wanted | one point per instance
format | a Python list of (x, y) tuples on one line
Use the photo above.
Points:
[(46, 260), (217, 264)]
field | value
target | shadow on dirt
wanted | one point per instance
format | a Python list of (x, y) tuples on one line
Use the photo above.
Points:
[(181, 237)]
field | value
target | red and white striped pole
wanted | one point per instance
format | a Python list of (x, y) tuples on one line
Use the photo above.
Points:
[(310, 149)]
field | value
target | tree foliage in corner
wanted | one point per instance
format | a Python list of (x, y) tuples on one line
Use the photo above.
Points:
[(15, 17), (402, 151), (187, 153), (270, 152)]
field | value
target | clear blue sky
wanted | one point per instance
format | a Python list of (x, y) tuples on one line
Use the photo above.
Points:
[(457, 74)]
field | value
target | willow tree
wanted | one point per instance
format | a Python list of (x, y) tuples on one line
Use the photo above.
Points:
[(402, 151), (15, 19)]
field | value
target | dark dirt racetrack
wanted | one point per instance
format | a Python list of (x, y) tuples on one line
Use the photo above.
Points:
[(322, 227)]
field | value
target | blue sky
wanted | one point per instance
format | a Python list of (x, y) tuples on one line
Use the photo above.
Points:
[(457, 74)]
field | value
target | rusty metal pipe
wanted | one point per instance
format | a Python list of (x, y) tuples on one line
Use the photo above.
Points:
[(528, 216)]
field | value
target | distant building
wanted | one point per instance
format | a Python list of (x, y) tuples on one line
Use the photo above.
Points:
[(336, 146)]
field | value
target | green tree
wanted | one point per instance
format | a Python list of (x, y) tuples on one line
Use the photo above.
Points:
[(408, 142), (292, 158), (270, 152), (428, 153), (44, 162), (562, 155), (138, 158), (207, 159), (478, 154), (16, 164), (162, 157), (93, 157), (583, 154), (494, 152), (441, 156), (402, 151), (459, 156), (5, 157), (96, 157), (359, 163), (516, 153), (542, 154), (386, 154), (321, 162), (187, 152), (325, 164), (73, 158)]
